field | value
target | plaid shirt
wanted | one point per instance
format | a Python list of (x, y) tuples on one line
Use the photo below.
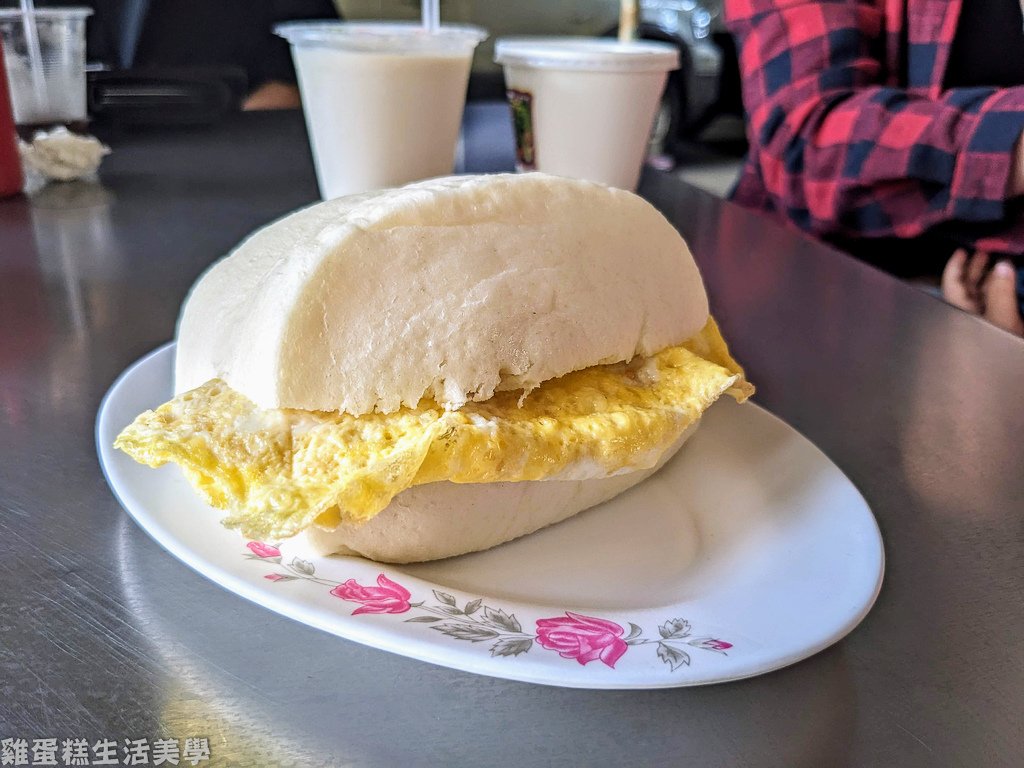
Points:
[(851, 133)]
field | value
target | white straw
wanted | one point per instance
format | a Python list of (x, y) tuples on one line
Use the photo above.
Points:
[(35, 55), (431, 15)]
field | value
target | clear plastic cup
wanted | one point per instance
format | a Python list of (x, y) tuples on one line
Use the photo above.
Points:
[(57, 93), (584, 107), (383, 101)]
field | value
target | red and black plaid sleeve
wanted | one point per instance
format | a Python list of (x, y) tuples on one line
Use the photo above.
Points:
[(839, 148)]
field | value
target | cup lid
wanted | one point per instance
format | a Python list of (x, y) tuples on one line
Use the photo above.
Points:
[(50, 12), (389, 37), (603, 54)]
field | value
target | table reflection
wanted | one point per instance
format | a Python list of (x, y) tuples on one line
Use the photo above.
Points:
[(75, 244)]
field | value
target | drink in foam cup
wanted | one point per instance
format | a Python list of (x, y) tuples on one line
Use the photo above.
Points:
[(383, 101), (584, 107)]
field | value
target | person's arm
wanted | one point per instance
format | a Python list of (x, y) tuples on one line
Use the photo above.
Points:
[(273, 94), (1015, 187), (840, 152), (269, 66)]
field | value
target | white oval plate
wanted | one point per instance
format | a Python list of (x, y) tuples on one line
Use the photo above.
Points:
[(747, 552)]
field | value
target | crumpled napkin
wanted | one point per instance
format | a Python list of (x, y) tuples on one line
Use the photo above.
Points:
[(61, 155)]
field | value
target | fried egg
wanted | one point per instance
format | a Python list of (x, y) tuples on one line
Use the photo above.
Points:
[(278, 471)]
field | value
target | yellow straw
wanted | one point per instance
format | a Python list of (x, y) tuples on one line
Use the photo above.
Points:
[(627, 21)]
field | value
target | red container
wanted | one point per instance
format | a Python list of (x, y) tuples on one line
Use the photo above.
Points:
[(11, 180)]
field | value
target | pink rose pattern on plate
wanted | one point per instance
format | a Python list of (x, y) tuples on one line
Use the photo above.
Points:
[(583, 638), (386, 597), (572, 635), (262, 550)]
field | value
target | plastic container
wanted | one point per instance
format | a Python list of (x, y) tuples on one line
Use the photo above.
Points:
[(584, 107), (383, 102), (11, 179), (58, 96)]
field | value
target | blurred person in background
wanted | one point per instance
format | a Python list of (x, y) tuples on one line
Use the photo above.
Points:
[(139, 34), (892, 129)]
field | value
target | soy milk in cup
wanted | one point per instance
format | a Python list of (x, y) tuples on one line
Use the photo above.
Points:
[(383, 101), (584, 107)]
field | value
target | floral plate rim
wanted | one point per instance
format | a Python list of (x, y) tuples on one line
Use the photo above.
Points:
[(576, 635), (573, 635)]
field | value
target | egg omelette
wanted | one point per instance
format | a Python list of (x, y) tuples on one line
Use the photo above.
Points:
[(278, 471)]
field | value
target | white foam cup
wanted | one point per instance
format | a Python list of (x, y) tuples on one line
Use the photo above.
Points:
[(584, 107)]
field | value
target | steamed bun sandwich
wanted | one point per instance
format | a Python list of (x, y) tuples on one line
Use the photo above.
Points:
[(421, 372)]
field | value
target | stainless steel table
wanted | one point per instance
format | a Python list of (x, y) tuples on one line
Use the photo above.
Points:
[(104, 635)]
